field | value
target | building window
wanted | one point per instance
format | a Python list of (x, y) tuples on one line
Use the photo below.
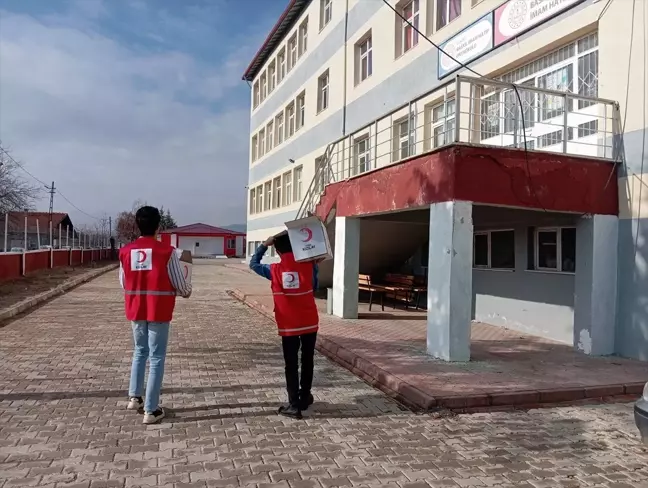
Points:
[(553, 249), (323, 92), (255, 148), (409, 35), (268, 195), (403, 138), (290, 120), (297, 179), (301, 110), (494, 249), (443, 123), (447, 11), (252, 201), (259, 201), (364, 63), (264, 86), (326, 12), (287, 188), (231, 243), (281, 65), (276, 201), (303, 37), (361, 156), (292, 52), (272, 76), (251, 248), (269, 136), (256, 95), (261, 142), (279, 122)]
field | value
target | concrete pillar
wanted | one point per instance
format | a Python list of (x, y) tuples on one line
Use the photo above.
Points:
[(450, 281), (596, 284), (345, 267)]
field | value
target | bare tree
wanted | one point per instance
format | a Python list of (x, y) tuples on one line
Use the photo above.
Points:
[(16, 193)]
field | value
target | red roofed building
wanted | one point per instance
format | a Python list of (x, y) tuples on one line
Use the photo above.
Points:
[(205, 240)]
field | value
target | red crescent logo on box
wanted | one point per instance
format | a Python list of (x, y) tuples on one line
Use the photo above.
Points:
[(290, 278), (308, 233), (142, 256)]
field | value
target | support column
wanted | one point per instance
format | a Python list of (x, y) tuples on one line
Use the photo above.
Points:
[(450, 281), (346, 267), (595, 294)]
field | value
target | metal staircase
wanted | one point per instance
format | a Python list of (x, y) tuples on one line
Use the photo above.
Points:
[(324, 175)]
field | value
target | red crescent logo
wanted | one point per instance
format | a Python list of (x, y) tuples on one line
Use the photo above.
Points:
[(308, 233), (142, 256), (290, 278)]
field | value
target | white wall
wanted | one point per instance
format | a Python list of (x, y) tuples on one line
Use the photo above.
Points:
[(207, 246)]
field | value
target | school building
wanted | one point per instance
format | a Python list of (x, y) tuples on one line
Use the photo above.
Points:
[(513, 191)]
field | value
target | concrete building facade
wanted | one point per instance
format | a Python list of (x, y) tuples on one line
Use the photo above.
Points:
[(517, 188)]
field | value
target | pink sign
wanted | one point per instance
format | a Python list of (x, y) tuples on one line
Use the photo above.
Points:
[(517, 16)]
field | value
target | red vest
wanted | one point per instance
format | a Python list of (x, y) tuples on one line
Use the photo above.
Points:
[(149, 294), (294, 303)]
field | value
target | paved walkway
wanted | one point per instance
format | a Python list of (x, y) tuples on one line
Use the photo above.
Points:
[(506, 367), (63, 424)]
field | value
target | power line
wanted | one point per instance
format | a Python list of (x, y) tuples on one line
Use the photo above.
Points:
[(51, 190)]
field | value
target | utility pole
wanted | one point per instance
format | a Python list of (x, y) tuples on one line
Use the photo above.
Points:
[(52, 190)]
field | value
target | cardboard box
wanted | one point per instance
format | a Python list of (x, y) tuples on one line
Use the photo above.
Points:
[(186, 263), (309, 239)]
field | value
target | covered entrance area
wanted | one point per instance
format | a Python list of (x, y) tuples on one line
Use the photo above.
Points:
[(547, 274)]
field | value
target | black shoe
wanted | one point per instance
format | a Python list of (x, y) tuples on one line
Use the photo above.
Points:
[(306, 401), (290, 411)]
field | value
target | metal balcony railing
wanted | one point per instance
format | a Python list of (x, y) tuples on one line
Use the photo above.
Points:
[(473, 111)]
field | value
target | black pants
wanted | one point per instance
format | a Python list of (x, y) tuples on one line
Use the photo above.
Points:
[(291, 347)]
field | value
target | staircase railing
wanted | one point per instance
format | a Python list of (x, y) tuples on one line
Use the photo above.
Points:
[(323, 176)]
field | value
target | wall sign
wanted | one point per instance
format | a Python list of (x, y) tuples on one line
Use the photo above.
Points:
[(517, 16), (468, 44)]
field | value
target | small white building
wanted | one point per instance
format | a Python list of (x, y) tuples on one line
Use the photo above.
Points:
[(205, 240)]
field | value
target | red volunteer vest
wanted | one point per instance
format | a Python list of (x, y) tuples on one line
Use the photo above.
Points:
[(148, 292), (294, 303)]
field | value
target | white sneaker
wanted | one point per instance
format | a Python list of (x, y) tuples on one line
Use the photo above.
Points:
[(134, 403), (153, 417)]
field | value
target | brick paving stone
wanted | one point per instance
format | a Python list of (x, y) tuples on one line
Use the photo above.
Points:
[(63, 420)]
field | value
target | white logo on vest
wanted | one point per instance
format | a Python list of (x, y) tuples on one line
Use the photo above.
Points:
[(290, 280), (141, 259)]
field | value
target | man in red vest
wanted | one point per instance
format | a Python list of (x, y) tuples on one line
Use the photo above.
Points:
[(151, 276), (292, 285)]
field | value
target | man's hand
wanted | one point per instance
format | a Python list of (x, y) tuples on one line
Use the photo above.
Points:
[(269, 242)]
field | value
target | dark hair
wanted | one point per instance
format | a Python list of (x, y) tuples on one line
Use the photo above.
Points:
[(148, 220), (282, 244)]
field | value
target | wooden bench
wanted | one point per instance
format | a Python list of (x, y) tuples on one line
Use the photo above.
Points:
[(365, 284), (399, 287)]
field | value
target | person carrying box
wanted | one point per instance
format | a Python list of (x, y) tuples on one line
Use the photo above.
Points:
[(293, 285), (151, 276)]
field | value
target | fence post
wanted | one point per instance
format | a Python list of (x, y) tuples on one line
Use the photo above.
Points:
[(6, 231), (38, 232), (24, 259), (51, 243)]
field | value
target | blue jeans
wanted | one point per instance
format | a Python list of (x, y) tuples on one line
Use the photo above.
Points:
[(150, 340)]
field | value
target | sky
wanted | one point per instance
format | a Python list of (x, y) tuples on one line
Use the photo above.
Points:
[(125, 100)]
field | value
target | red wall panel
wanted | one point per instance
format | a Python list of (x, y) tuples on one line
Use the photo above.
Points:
[(10, 266), (36, 260)]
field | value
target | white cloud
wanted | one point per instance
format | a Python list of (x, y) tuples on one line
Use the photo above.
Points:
[(111, 124)]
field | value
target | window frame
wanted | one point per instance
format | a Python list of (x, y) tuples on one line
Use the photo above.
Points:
[(269, 136), (279, 128), (255, 148), (446, 122), (231, 243), (297, 183), (357, 155), (447, 4), (300, 103), (559, 250), (291, 120), (366, 56), (326, 13), (255, 94), (259, 202), (282, 66), (263, 84), (488, 234), (286, 182), (262, 147), (292, 51), (252, 202), (400, 139), (323, 91), (272, 76), (267, 196), (302, 38), (276, 192), (406, 30)]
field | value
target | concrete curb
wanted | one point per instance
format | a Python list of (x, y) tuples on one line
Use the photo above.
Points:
[(417, 399), (32, 302)]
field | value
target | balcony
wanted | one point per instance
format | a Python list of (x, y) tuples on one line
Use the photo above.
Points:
[(485, 120)]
